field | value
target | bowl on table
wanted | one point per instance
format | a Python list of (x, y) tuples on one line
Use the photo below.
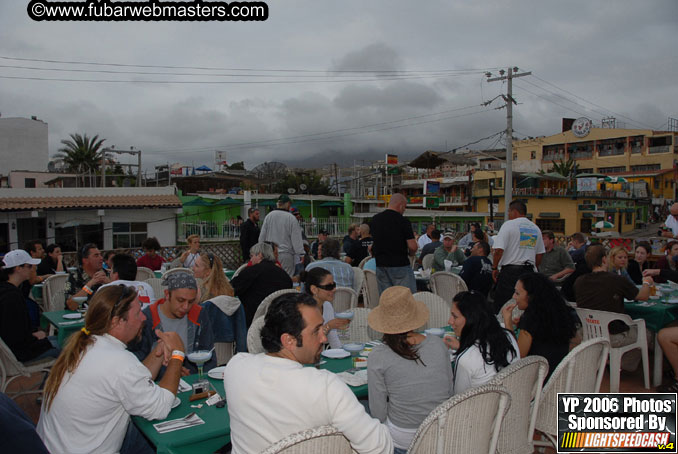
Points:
[(354, 348), (346, 315)]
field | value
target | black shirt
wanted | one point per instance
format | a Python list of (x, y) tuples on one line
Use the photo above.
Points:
[(477, 273), (256, 282), (15, 325), (390, 231), (359, 250), (46, 266), (249, 236)]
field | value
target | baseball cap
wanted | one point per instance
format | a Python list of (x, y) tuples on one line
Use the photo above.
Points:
[(18, 257), (322, 232), (294, 211), (448, 234), (284, 198)]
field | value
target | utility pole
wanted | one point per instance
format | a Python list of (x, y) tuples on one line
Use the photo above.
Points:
[(508, 177)]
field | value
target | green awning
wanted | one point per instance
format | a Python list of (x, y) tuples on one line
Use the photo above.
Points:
[(332, 204), (228, 202), (590, 175), (300, 203), (267, 203), (197, 202)]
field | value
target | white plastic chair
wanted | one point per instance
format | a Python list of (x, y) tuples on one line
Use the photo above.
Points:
[(581, 371), (439, 310), (53, 292), (345, 298), (237, 271), (158, 288), (359, 330), (254, 336), (144, 274), (362, 263), (371, 292), (323, 439), (524, 380), (595, 324), (263, 306), (465, 423), (427, 261), (11, 368), (358, 279), (447, 285)]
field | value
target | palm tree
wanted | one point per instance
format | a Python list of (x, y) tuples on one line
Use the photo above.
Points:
[(81, 154)]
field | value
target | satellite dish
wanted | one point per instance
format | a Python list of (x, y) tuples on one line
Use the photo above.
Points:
[(302, 186), (291, 190)]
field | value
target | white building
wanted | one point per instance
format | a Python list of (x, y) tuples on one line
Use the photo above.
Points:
[(110, 217), (23, 144)]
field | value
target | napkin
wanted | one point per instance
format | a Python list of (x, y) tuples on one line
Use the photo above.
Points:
[(183, 386), (357, 379), (177, 424)]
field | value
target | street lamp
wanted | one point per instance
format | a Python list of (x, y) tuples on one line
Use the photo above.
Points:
[(491, 201)]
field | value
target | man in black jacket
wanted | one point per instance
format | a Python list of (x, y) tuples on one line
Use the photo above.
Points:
[(249, 233)]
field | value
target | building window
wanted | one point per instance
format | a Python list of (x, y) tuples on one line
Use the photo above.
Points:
[(128, 234), (617, 169), (657, 183), (533, 154), (628, 218), (554, 225), (29, 182), (646, 167)]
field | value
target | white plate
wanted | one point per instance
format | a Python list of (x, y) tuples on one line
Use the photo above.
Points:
[(176, 402), (672, 301), (72, 316), (217, 373), (336, 353)]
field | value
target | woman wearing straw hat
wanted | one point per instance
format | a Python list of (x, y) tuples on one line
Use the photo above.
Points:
[(411, 374), (483, 348)]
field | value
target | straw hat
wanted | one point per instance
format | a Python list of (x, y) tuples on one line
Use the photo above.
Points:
[(398, 312)]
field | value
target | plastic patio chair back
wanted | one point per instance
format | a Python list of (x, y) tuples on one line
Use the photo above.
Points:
[(144, 274), (581, 371), (524, 380), (427, 261), (54, 292), (345, 298), (254, 336), (238, 270), (263, 306), (466, 423), (447, 285), (362, 263), (358, 329), (11, 368), (439, 310), (358, 279), (158, 288), (595, 324), (323, 439), (371, 294)]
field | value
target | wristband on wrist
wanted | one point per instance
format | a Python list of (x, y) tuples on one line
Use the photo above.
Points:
[(87, 290), (178, 354)]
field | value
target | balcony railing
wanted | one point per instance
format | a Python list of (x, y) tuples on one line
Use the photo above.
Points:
[(659, 149), (554, 157), (581, 154), (455, 199), (612, 152), (564, 192), (216, 231)]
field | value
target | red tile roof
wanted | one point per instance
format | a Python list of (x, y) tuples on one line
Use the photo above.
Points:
[(113, 201)]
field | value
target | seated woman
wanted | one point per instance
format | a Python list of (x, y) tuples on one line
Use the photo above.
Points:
[(411, 373), (547, 325), (226, 328), (639, 263), (320, 284), (483, 348), (669, 261), (151, 259), (618, 259)]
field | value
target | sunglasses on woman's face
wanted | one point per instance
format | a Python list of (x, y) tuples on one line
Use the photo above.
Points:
[(328, 287)]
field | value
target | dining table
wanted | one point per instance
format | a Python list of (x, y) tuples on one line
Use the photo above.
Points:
[(65, 322)]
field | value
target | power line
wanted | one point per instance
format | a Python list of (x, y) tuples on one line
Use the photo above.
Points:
[(550, 100)]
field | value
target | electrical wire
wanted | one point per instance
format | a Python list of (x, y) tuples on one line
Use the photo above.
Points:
[(549, 100)]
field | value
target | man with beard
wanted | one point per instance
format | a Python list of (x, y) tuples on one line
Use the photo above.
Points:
[(181, 313), (272, 395), (96, 384)]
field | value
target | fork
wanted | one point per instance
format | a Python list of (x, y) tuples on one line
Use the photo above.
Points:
[(175, 421)]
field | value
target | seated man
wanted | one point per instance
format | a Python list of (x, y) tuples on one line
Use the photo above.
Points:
[(125, 272), (360, 249), (178, 312), (448, 251), (322, 236), (15, 325), (96, 385), (605, 291), (577, 248), (151, 259), (272, 395), (430, 248), (556, 263), (341, 271), (476, 270), (88, 277)]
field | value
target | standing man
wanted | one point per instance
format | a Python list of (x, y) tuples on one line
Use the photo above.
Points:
[(426, 237), (249, 233), (393, 244), (281, 227), (89, 276), (258, 386), (361, 248), (671, 223), (351, 239), (96, 384), (518, 249), (322, 236), (556, 262)]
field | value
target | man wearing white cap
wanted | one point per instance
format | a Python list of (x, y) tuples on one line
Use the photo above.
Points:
[(15, 323)]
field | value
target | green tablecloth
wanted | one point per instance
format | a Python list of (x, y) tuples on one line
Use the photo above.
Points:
[(205, 438), (65, 326), (656, 316)]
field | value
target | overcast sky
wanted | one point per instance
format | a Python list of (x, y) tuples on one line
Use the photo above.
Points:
[(588, 58)]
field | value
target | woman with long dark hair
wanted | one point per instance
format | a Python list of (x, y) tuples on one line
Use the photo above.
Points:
[(547, 325), (410, 374), (639, 262), (320, 284), (483, 347)]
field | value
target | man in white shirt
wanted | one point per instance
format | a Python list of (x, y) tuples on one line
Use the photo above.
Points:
[(125, 272), (671, 223), (272, 395), (96, 384), (426, 237), (281, 227), (518, 249)]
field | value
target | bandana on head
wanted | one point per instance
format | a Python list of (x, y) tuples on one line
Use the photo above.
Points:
[(179, 279)]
